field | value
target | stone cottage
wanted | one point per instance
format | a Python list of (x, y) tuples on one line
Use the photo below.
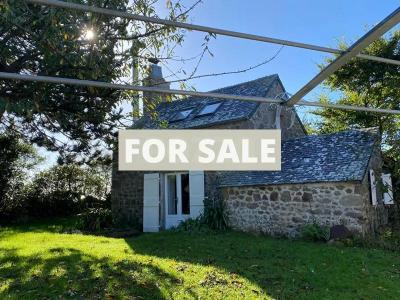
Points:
[(330, 179)]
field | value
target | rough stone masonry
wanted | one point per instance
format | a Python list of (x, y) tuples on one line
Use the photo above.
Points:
[(284, 209)]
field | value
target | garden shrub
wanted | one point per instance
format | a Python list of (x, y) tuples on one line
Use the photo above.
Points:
[(91, 201), (386, 238), (214, 215), (95, 219), (52, 204), (315, 232), (65, 190), (212, 218), (192, 225)]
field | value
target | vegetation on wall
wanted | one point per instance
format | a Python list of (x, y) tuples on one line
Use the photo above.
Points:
[(315, 232)]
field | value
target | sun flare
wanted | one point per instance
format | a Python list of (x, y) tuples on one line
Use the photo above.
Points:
[(89, 34)]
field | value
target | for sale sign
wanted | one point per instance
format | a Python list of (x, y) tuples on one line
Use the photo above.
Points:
[(176, 150)]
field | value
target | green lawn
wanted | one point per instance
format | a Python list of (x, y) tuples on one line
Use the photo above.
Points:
[(37, 262)]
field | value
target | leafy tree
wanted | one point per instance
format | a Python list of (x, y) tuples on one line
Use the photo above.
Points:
[(370, 84), (366, 83), (65, 190), (16, 158), (35, 39)]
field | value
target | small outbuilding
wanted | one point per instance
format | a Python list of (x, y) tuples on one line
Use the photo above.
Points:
[(324, 179)]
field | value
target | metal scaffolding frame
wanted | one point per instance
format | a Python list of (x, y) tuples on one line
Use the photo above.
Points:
[(377, 31), (296, 99), (100, 84), (218, 31)]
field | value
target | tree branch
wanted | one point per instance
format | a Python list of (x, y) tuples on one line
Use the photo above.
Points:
[(191, 77)]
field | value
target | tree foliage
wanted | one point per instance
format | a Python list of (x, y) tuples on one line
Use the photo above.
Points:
[(16, 158), (36, 39), (370, 84), (65, 190), (366, 83), (58, 191)]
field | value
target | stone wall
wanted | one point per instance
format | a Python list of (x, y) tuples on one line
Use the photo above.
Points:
[(127, 194), (266, 116), (284, 209)]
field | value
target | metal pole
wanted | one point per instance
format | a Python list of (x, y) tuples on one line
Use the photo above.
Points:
[(364, 41), (99, 84), (241, 35), (348, 107)]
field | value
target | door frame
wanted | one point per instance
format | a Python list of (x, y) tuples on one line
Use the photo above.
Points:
[(179, 216)]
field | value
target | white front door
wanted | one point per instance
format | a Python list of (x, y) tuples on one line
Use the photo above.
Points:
[(177, 198)]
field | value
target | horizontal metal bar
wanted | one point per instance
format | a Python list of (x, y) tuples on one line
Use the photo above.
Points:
[(241, 35), (100, 84), (376, 32), (378, 59), (348, 107)]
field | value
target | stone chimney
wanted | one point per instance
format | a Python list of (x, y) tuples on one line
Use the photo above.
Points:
[(154, 78)]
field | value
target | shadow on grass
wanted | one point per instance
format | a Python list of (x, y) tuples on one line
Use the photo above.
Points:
[(282, 269), (53, 225), (70, 273)]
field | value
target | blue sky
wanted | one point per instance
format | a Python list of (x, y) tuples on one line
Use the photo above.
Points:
[(316, 22)]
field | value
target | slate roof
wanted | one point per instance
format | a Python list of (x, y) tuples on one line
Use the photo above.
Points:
[(337, 157), (228, 111)]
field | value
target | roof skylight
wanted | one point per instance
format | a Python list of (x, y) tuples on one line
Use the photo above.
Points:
[(209, 109), (181, 115)]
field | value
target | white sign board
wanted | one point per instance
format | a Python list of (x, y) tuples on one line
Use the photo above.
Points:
[(206, 149)]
